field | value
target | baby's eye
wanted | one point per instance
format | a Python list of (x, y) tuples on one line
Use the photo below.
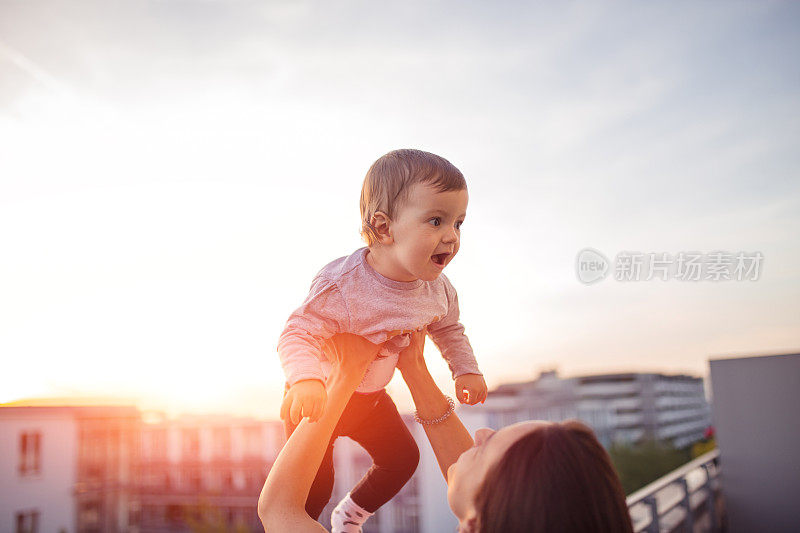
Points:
[(458, 224), (437, 219)]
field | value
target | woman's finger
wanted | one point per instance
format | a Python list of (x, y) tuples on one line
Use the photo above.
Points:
[(316, 412), (320, 408), (287, 402), (335, 356), (296, 412), (354, 349)]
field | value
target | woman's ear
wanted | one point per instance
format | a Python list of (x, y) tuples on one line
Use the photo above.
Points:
[(382, 224)]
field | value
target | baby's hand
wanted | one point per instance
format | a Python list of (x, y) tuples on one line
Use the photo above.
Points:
[(470, 389), (304, 398)]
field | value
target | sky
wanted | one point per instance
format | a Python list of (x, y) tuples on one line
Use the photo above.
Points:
[(174, 173)]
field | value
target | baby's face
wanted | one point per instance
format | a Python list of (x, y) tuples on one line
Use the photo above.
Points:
[(429, 224)]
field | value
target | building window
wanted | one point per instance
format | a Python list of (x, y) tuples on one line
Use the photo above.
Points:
[(174, 514), (30, 457), (134, 514), (222, 443), (254, 479), (89, 516), (27, 522), (254, 441), (191, 444), (192, 479), (158, 444)]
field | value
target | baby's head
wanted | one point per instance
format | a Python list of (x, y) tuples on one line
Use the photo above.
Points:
[(412, 206)]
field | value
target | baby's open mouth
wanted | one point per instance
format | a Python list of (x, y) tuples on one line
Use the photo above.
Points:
[(439, 259)]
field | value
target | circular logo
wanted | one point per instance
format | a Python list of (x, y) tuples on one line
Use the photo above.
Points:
[(591, 266)]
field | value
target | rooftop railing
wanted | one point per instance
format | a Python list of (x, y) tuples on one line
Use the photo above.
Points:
[(687, 499)]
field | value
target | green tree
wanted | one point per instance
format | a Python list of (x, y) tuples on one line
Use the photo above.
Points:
[(644, 462), (703, 446)]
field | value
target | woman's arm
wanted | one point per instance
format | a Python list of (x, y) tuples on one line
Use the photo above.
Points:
[(281, 505), (449, 439)]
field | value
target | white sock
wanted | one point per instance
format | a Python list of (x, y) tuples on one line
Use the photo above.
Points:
[(348, 516)]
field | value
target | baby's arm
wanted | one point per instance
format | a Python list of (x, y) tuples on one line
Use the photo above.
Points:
[(302, 343), (448, 335)]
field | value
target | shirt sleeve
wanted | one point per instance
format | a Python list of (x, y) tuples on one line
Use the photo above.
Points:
[(322, 314), (448, 336)]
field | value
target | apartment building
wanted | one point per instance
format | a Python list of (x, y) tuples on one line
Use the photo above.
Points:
[(622, 407), (208, 468), (114, 469), (217, 466), (69, 469), (102, 469)]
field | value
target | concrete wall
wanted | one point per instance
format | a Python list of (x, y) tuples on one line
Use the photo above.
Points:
[(756, 402)]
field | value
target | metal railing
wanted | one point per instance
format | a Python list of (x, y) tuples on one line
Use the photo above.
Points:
[(687, 499)]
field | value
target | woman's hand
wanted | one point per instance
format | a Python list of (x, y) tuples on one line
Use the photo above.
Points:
[(411, 356), (281, 505), (350, 352), (449, 438)]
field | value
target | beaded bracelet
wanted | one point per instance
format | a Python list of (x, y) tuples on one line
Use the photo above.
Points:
[(441, 418)]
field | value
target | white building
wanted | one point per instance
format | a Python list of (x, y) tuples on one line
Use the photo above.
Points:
[(68, 469), (214, 465), (99, 469), (622, 408)]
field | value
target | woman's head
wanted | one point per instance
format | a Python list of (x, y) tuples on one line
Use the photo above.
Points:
[(536, 477)]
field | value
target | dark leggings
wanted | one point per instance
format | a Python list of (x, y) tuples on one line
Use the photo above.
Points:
[(370, 419)]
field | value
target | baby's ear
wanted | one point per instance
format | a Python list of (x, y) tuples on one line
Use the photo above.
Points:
[(381, 222)]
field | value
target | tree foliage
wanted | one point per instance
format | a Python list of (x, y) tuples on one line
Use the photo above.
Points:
[(644, 462)]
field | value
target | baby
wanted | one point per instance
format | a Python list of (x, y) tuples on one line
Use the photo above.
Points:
[(412, 206)]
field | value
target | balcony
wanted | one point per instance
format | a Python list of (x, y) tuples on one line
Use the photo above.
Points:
[(687, 499)]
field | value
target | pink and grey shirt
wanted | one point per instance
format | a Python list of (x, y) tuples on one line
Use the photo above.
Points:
[(349, 296)]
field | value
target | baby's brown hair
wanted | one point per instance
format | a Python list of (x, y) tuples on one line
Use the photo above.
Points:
[(389, 180)]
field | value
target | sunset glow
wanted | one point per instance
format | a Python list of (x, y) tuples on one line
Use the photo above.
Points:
[(168, 191)]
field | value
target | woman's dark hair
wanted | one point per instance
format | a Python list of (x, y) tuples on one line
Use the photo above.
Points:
[(557, 478)]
